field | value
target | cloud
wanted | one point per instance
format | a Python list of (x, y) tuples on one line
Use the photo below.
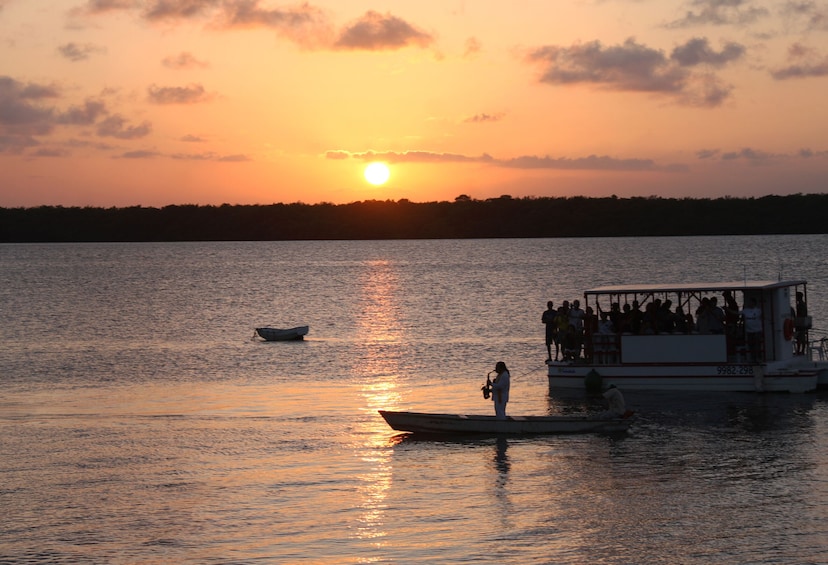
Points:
[(28, 110), (409, 157), (697, 51), (75, 52), (815, 16), (803, 62), (482, 118), (103, 6), (634, 67), (720, 12), (22, 112), (305, 25), (192, 139), (177, 9), (139, 154), (183, 60), (592, 162), (210, 156), (758, 157), (192, 94), (83, 115), (206, 156), (374, 32), (473, 47), (117, 127)]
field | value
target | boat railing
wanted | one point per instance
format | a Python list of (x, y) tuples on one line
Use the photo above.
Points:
[(818, 349)]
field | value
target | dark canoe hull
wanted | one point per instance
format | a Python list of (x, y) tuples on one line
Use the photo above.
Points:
[(460, 424), (276, 334)]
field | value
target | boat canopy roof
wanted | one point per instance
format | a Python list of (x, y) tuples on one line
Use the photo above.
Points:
[(692, 287)]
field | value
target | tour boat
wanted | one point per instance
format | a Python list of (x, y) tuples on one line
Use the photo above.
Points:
[(468, 424), (657, 354)]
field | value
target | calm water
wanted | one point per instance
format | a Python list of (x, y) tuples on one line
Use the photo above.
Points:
[(140, 423)]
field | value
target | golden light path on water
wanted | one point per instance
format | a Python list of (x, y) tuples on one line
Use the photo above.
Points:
[(379, 322)]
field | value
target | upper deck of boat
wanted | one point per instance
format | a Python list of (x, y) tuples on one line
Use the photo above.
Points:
[(693, 287)]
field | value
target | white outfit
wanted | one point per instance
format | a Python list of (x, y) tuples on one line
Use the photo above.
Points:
[(500, 394), (753, 319), (615, 399)]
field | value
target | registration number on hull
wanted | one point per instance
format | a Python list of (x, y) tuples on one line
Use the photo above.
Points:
[(734, 370)]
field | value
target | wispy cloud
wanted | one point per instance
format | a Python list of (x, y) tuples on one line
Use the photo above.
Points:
[(756, 156), (191, 94), (177, 9), (205, 156), (182, 61), (591, 162), (803, 62), (719, 13), (79, 52), (483, 118), (118, 127), (85, 115)]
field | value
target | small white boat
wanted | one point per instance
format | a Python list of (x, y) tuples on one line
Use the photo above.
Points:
[(288, 334), (463, 424), (688, 355)]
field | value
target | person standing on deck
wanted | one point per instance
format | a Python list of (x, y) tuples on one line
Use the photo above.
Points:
[(548, 318), (802, 324), (500, 390)]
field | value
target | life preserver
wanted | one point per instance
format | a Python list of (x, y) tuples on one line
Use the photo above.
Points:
[(788, 329)]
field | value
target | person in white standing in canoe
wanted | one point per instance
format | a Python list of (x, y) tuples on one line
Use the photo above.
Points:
[(500, 389)]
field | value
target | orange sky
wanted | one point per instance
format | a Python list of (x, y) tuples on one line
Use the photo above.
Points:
[(156, 102)]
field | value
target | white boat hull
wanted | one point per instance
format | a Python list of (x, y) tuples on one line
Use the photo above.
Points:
[(425, 423), (715, 378)]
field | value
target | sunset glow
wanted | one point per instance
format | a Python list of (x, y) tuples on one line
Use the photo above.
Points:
[(151, 102)]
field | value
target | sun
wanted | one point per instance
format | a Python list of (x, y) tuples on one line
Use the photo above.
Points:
[(377, 173)]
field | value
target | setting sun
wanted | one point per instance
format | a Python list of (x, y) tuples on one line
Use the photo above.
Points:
[(377, 173)]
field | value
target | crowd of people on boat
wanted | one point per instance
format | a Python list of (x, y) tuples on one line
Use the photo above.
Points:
[(569, 328)]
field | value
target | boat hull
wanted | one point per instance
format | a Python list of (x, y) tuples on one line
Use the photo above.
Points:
[(713, 378), (277, 334), (459, 424)]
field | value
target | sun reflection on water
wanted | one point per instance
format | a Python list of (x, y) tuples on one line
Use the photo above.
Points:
[(379, 325)]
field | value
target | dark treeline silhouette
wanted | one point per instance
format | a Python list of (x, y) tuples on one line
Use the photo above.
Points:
[(463, 218)]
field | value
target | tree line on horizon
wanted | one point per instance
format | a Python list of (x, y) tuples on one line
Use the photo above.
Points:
[(503, 217)]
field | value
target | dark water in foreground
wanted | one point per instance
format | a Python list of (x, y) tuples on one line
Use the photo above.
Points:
[(139, 423)]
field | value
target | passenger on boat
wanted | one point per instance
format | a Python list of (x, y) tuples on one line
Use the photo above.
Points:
[(590, 329), (704, 317), (731, 312), (562, 323), (500, 390), (666, 318), (576, 327), (680, 321), (801, 325), (717, 317), (752, 316), (548, 319), (605, 325), (616, 405)]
